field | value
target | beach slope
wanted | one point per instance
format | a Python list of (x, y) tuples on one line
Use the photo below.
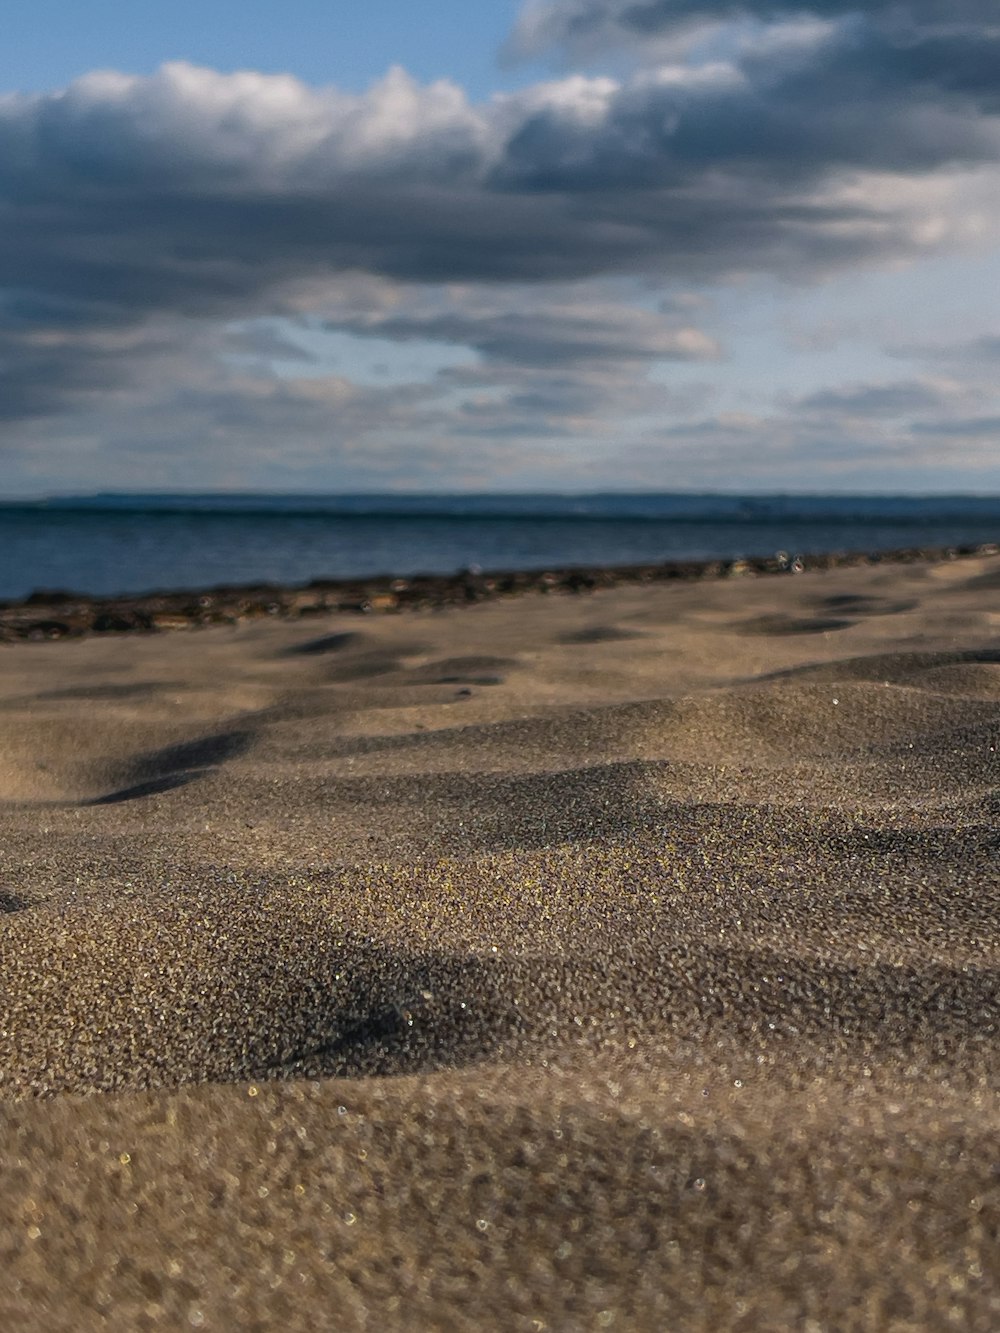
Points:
[(625, 959)]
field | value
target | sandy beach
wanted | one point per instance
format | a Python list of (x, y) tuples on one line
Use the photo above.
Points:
[(624, 959)]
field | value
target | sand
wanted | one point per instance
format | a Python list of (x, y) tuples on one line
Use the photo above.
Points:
[(617, 960)]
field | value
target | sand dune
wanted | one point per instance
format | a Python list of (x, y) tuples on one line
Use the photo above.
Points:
[(626, 960)]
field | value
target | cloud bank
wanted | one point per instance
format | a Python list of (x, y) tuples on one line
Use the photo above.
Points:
[(544, 24), (142, 216)]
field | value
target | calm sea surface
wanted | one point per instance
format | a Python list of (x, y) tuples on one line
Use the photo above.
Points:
[(121, 544)]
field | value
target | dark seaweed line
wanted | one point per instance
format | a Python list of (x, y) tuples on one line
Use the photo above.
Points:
[(49, 614)]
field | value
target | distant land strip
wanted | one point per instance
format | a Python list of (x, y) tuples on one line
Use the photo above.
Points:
[(50, 614)]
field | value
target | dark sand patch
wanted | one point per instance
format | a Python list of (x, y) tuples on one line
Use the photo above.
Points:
[(328, 643), (601, 634), (782, 624), (858, 605), (477, 670), (152, 787), (363, 667)]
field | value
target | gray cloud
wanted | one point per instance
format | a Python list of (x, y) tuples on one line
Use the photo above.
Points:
[(972, 355), (786, 448), (969, 428), (548, 333), (985, 349), (38, 378), (849, 99), (876, 400), (588, 24), (552, 363), (56, 357)]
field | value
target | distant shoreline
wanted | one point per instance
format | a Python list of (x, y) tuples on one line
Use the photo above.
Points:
[(655, 505), (49, 614)]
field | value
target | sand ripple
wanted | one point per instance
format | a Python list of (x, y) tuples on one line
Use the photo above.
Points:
[(626, 960)]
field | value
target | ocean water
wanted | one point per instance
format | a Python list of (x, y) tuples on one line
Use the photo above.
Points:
[(113, 544)]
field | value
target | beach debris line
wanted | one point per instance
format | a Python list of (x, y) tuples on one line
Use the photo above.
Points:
[(56, 614)]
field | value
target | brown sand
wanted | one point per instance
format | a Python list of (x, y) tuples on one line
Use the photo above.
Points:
[(625, 960)]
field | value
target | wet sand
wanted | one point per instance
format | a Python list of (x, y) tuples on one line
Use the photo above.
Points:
[(624, 958)]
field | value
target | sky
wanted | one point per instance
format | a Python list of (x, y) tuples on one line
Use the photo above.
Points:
[(571, 245)]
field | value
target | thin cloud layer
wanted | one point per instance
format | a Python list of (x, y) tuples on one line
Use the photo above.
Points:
[(568, 330)]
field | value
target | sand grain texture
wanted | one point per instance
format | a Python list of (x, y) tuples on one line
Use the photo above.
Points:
[(623, 960)]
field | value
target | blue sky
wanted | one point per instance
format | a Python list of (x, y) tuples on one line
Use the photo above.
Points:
[(48, 43), (570, 244)]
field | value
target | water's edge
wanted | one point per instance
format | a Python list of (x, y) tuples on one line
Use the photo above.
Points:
[(128, 546), (55, 615)]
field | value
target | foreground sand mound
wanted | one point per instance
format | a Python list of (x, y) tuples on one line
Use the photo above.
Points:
[(617, 961)]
